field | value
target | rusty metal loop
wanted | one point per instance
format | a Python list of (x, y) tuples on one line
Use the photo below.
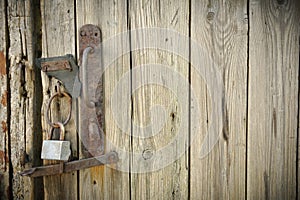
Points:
[(55, 125), (61, 128)]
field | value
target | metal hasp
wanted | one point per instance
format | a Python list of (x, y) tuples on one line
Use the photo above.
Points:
[(91, 105), (63, 68), (109, 158)]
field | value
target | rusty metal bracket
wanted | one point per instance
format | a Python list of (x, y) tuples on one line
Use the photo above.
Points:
[(109, 158), (64, 69), (55, 65), (89, 36)]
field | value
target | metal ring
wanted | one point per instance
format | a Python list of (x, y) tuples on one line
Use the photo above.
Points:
[(54, 125)]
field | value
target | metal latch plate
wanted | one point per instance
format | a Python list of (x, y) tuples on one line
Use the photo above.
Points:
[(64, 69), (55, 65), (91, 123)]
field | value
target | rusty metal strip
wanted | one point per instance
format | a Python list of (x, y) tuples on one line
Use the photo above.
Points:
[(109, 158), (91, 104), (55, 65)]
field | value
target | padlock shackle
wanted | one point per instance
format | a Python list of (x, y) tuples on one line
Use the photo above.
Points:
[(62, 131)]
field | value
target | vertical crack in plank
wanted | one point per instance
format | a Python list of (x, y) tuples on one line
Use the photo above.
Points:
[(298, 127), (37, 96), (247, 97), (188, 164), (132, 107)]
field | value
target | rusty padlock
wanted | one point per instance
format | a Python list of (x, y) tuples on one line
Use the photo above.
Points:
[(56, 149)]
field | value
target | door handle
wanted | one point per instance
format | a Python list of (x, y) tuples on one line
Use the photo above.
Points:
[(89, 103)]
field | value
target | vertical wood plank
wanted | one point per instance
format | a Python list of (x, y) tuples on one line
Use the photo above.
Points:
[(4, 158), (111, 17), (167, 181), (273, 93), (16, 21), (58, 19), (220, 28), (24, 95)]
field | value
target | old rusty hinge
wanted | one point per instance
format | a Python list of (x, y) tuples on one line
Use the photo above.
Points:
[(109, 158)]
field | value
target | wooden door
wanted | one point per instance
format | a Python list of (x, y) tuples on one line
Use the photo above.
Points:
[(201, 98)]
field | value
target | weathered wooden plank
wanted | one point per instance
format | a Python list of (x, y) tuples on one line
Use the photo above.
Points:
[(17, 124), (4, 158), (273, 93), (160, 95), (24, 95), (58, 19), (111, 17), (220, 29)]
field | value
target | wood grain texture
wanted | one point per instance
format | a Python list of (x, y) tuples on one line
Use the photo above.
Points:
[(18, 93), (24, 96), (273, 92), (220, 28), (155, 179), (4, 157), (253, 44), (58, 19), (111, 17)]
